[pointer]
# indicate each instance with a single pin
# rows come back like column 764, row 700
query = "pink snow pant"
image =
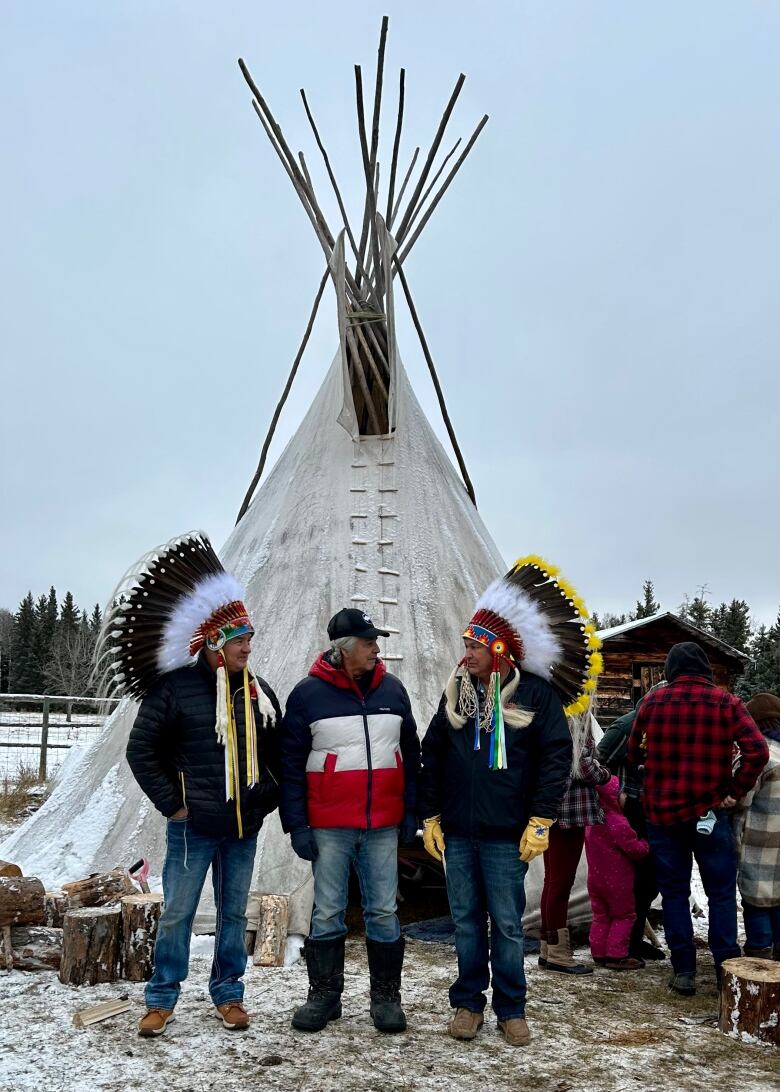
column 613, row 918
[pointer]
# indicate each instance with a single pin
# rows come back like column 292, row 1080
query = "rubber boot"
column 559, row 957
column 385, row 960
column 325, row 964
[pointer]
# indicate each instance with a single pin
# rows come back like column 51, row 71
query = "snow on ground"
column 603, row 1033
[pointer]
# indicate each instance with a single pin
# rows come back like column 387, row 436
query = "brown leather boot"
column 559, row 956
column 515, row 1031
column 465, row 1024
column 154, row 1022
column 233, row 1015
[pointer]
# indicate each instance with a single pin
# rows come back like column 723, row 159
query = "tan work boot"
column 465, row 1024
column 515, row 1031
column 233, row 1015
column 559, row 957
column 154, row 1022
column 543, row 954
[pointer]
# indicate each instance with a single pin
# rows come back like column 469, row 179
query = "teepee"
column 363, row 508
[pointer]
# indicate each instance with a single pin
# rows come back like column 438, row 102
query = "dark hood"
column 687, row 658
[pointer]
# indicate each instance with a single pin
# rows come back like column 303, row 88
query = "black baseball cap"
column 353, row 623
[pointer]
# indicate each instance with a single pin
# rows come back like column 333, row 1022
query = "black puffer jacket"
column 176, row 758
column 476, row 802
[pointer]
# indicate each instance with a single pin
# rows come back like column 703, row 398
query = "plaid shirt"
column 685, row 736
column 580, row 805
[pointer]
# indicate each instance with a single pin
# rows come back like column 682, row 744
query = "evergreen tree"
column 697, row 611
column 25, row 677
column 647, row 607
column 46, row 613
column 96, row 621
column 6, row 646
column 69, row 615
column 763, row 673
column 70, row 660
column 731, row 622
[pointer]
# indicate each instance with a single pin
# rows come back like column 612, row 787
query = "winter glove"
column 407, row 834
column 433, row 838
column 536, row 838
column 304, row 844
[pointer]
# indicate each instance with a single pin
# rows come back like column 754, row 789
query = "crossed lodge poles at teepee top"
column 365, row 288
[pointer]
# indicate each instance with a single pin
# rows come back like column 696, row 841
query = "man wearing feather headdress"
column 496, row 758
column 204, row 750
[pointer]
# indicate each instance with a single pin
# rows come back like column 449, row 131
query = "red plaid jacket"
column 685, row 736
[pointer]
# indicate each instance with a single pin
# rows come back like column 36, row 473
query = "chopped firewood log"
column 56, row 904
column 21, row 901
column 91, row 945
column 84, row 1017
column 99, row 889
column 36, row 948
column 9, row 869
column 271, row 939
column 750, row 999
column 140, row 917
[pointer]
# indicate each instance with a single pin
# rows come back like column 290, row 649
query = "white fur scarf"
column 514, row 716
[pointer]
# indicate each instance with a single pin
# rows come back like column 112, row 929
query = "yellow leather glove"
column 433, row 838
column 536, row 838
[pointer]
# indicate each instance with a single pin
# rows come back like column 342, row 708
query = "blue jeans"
column 674, row 848
column 487, row 878
column 187, row 861
column 374, row 854
column 762, row 926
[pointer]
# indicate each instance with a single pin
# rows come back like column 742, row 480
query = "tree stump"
column 99, row 889
column 9, row 869
column 750, row 999
column 21, row 901
column 91, row 945
column 56, row 905
column 271, row 939
column 36, row 948
column 140, row 917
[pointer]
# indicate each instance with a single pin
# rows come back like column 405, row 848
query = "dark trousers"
column 645, row 881
column 560, row 868
column 487, row 879
column 675, row 847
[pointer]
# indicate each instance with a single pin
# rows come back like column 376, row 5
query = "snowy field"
column 603, row 1033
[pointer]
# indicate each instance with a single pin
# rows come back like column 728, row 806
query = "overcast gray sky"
column 599, row 287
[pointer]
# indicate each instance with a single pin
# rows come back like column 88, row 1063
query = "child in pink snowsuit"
column 611, row 848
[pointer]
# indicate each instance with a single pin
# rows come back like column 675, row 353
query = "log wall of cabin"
column 631, row 667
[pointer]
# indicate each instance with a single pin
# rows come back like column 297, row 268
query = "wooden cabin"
column 635, row 653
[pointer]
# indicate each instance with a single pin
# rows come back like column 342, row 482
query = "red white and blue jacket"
column 350, row 754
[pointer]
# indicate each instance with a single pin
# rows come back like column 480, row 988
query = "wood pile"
column 96, row 929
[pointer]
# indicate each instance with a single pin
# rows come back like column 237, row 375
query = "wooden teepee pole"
column 396, row 145
column 408, row 246
column 402, row 191
column 437, row 385
column 431, row 154
column 280, row 405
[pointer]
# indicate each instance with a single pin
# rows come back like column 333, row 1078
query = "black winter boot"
column 385, row 960
column 759, row 953
column 325, row 964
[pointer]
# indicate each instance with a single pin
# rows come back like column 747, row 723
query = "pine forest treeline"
column 47, row 646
